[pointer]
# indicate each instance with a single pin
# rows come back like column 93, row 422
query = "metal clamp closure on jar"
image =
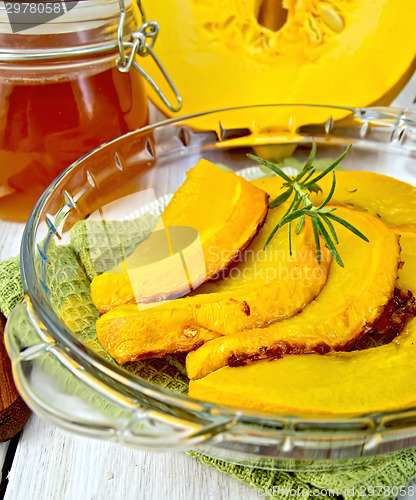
column 143, row 40
column 139, row 42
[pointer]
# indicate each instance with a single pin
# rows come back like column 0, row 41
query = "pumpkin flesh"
column 389, row 199
column 311, row 56
column 376, row 379
column 353, row 297
column 394, row 202
column 217, row 214
column 262, row 287
column 373, row 380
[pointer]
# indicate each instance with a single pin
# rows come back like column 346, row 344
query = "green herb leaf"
column 292, row 216
column 332, row 166
column 295, row 203
column 331, row 227
column 301, row 185
column 308, row 176
column 277, row 170
column 281, row 199
column 329, row 243
column 331, row 191
column 308, row 164
column 314, row 187
column 300, row 223
column 348, row 226
column 317, row 241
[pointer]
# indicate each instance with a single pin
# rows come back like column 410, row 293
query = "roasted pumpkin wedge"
column 356, row 382
column 263, row 286
column 223, row 210
column 394, row 202
column 407, row 274
column 117, row 333
column 376, row 379
column 353, row 297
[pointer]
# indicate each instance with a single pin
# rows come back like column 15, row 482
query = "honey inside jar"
column 47, row 125
column 54, row 110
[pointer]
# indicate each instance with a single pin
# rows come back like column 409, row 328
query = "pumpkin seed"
column 330, row 17
column 209, row 27
column 313, row 30
column 228, row 22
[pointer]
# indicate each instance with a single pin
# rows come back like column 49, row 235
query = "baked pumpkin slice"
column 262, row 286
column 394, row 204
column 376, row 379
column 353, row 297
column 211, row 218
column 407, row 274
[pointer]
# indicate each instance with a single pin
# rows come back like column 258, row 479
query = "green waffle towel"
column 97, row 246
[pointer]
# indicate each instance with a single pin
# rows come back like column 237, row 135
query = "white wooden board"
column 3, row 451
column 50, row 463
column 10, row 235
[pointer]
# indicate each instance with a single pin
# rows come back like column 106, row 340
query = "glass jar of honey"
column 65, row 88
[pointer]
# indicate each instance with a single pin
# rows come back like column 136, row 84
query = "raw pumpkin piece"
column 377, row 379
column 245, row 52
column 264, row 286
column 389, row 199
column 223, row 210
column 353, row 297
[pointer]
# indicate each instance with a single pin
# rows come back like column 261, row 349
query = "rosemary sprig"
column 300, row 186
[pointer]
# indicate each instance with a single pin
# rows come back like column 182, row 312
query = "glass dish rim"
column 45, row 313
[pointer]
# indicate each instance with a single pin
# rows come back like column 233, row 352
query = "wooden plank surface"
column 10, row 235
column 3, row 451
column 51, row 463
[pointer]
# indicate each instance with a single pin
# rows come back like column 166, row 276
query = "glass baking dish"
column 64, row 380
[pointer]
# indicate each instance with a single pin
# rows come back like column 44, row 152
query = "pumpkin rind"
column 373, row 380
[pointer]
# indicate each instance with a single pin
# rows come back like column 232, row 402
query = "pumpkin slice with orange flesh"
column 393, row 201
column 264, row 286
column 376, row 379
column 211, row 218
column 407, row 274
column 353, row 297
column 389, row 199
column 250, row 52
